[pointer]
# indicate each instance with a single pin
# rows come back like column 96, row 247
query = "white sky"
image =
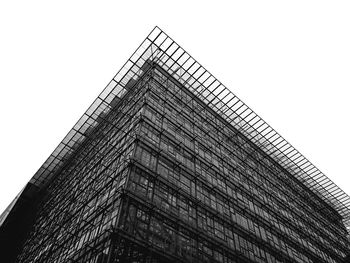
column 288, row 60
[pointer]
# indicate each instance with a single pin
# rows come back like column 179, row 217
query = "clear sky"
column 288, row 60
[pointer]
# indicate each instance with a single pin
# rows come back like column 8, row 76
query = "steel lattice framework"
column 160, row 48
column 168, row 165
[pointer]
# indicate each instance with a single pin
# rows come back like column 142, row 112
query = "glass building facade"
column 162, row 168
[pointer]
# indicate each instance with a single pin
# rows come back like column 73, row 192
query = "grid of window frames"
column 163, row 178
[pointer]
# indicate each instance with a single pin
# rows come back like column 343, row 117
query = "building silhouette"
column 167, row 165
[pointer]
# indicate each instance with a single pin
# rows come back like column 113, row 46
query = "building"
column 167, row 165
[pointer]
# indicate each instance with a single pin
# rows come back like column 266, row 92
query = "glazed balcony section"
column 198, row 158
column 82, row 203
